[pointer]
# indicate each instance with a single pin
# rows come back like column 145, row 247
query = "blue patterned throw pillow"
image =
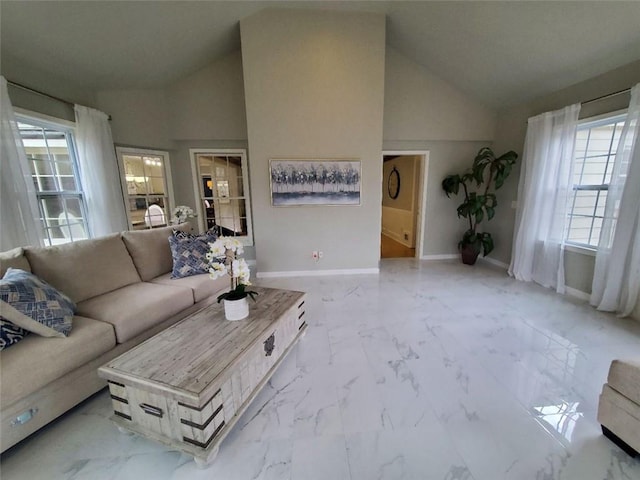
column 10, row 334
column 33, row 305
column 212, row 232
column 190, row 254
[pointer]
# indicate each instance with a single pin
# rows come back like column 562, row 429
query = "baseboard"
column 495, row 262
column 446, row 256
column 579, row 294
column 319, row 273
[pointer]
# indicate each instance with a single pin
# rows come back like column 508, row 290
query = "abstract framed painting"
column 319, row 182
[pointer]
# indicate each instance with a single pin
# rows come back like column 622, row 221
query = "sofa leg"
column 619, row 442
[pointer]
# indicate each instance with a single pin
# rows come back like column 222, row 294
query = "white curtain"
column 99, row 172
column 616, row 279
column 19, row 213
column 543, row 192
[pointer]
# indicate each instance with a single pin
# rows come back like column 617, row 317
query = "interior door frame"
column 423, row 171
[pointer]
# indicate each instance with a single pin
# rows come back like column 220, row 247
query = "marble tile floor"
column 430, row 370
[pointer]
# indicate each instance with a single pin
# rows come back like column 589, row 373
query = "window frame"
column 247, row 239
column 584, row 124
column 68, row 128
column 121, row 151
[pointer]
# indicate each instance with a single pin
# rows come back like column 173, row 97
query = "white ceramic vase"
column 236, row 309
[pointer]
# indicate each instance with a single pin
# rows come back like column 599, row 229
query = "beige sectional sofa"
column 124, row 294
column 619, row 406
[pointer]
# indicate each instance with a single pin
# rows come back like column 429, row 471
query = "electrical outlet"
column 320, row 254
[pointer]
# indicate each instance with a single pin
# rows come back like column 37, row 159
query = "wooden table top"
column 187, row 357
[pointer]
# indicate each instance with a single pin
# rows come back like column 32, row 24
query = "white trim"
column 591, row 252
column 579, row 294
column 44, row 118
column 444, row 256
column 590, row 122
column 495, row 262
column 405, row 152
column 319, row 273
column 423, row 171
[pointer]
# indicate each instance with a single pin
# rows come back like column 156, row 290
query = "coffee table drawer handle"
column 269, row 344
column 151, row 410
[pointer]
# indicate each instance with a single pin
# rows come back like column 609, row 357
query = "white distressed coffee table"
column 187, row 386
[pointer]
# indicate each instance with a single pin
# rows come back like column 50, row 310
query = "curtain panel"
column 19, row 213
column 616, row 279
column 99, row 173
column 544, row 189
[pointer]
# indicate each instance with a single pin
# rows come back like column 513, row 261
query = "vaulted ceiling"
column 500, row 53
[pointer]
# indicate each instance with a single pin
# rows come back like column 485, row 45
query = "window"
column 595, row 152
column 222, row 186
column 52, row 160
column 147, row 181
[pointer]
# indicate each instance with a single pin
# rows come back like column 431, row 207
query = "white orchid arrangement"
column 181, row 213
column 223, row 257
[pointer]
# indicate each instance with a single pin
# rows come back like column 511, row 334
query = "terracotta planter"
column 469, row 254
column 236, row 309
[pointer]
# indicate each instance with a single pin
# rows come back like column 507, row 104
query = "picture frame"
column 315, row 182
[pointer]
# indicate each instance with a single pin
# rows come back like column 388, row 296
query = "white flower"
column 235, row 268
column 217, row 270
column 217, row 249
column 228, row 248
column 243, row 272
column 181, row 213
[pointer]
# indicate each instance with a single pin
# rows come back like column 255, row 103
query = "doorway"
column 403, row 199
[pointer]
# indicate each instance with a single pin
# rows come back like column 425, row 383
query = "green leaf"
column 490, row 212
column 485, row 155
column 451, row 184
column 478, row 172
column 487, row 244
column 463, row 210
column 508, row 158
column 467, row 177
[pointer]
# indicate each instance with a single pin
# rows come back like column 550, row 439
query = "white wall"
column 210, row 103
column 314, row 85
column 420, row 106
column 138, row 117
column 13, row 69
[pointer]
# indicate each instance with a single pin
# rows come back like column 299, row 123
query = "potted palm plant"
column 487, row 172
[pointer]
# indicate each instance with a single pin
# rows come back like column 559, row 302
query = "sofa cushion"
column 201, row 285
column 190, row 254
column 37, row 361
column 14, row 258
column 86, row 268
column 10, row 334
column 624, row 376
column 150, row 251
column 135, row 308
column 32, row 304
